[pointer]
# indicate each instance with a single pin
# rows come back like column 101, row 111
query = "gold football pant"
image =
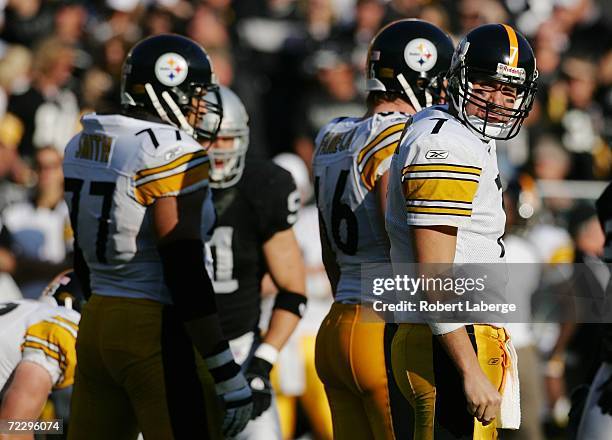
column 353, row 361
column 137, row 371
column 429, row 380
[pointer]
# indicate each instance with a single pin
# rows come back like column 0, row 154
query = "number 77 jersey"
column 351, row 155
column 113, row 170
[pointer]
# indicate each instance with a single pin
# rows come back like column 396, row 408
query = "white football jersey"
column 442, row 174
column 114, row 169
column 37, row 332
column 351, row 154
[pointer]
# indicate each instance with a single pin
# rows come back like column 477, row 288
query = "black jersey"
column 264, row 202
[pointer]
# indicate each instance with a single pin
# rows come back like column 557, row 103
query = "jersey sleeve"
column 374, row 158
column 440, row 178
column 50, row 343
column 279, row 205
column 170, row 170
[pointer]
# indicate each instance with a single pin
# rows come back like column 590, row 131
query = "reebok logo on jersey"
column 436, row 154
column 494, row 361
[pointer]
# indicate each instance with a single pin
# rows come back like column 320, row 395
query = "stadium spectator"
column 39, row 227
column 47, row 109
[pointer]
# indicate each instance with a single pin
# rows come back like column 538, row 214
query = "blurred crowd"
column 297, row 64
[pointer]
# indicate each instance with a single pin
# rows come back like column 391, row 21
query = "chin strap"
column 156, row 104
column 409, row 92
column 176, row 111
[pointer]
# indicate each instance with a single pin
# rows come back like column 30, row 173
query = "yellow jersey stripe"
column 514, row 49
column 378, row 139
column 368, row 175
column 170, row 166
column 48, row 351
column 443, row 168
column 171, row 185
column 67, row 322
column 454, row 190
column 439, row 211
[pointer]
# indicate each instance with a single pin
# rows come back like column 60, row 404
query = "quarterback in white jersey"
column 37, row 347
column 136, row 184
column 406, row 61
column 445, row 206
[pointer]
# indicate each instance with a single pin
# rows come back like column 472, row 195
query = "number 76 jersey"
column 113, row 170
column 351, row 155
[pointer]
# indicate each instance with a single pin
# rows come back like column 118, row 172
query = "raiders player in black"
column 256, row 204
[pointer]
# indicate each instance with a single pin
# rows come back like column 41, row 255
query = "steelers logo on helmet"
column 420, row 54
column 171, row 69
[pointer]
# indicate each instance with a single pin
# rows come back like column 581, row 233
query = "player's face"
column 198, row 105
column 222, row 143
column 495, row 93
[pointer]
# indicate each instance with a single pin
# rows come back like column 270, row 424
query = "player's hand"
column 258, row 377
column 605, row 400
column 483, row 400
column 238, row 404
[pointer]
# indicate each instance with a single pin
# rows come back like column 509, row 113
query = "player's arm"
column 435, row 245
column 329, row 258
column 177, row 225
column 286, row 268
column 26, row 395
column 381, row 192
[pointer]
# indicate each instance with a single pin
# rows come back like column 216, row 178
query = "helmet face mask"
column 472, row 77
column 228, row 152
column 169, row 77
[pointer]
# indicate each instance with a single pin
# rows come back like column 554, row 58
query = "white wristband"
column 267, row 352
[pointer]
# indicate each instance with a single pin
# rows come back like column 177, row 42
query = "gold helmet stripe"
column 514, row 49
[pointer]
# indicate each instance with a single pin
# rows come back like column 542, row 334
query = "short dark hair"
column 377, row 97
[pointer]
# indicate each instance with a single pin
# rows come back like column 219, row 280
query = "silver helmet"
column 227, row 164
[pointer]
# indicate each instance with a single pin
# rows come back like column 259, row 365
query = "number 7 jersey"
column 114, row 169
column 351, row 154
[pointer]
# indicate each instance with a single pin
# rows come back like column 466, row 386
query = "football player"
column 406, row 63
column 445, row 205
column 37, row 348
column 256, row 203
column 135, row 186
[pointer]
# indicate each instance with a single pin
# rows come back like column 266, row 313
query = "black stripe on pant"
column 402, row 414
column 452, row 418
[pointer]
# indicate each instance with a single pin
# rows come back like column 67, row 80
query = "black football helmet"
column 493, row 53
column 162, row 74
column 65, row 290
column 410, row 57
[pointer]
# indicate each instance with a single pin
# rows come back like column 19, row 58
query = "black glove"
column 258, row 378
column 605, row 400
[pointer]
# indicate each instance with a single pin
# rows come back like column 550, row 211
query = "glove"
column 258, row 377
column 605, row 400
column 233, row 389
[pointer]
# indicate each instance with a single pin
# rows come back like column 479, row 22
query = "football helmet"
column 410, row 57
column 493, row 53
column 65, row 290
column 228, row 163
column 161, row 76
